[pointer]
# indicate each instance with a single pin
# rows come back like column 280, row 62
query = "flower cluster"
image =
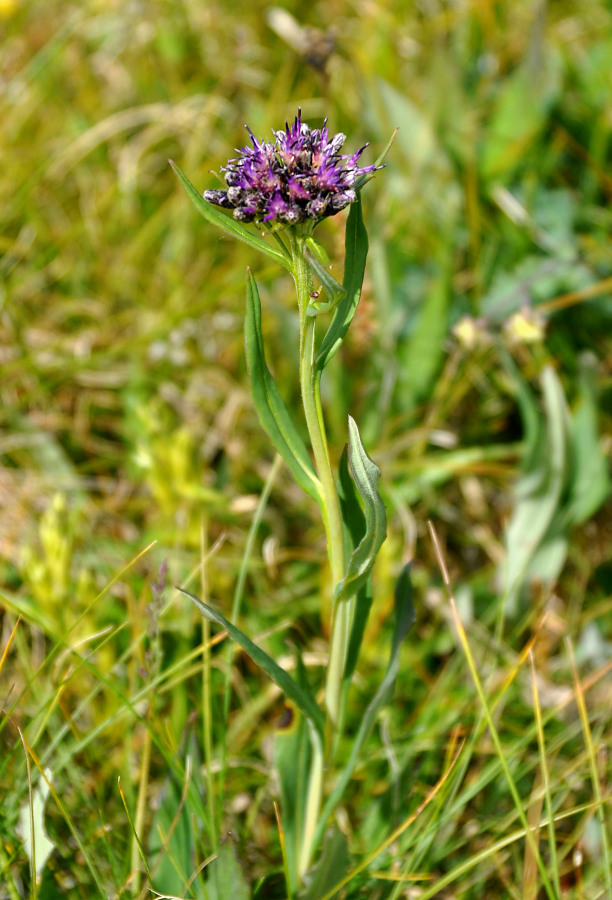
column 302, row 175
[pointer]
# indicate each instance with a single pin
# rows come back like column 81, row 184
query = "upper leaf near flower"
column 301, row 176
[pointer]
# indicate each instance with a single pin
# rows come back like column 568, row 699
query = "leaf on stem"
column 269, row 404
column 335, row 291
column 355, row 524
column 356, row 251
column 229, row 225
column 366, row 476
column 301, row 696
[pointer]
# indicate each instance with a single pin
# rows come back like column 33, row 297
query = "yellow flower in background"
column 7, row 8
column 526, row 327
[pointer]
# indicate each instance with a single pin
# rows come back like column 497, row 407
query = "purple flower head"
column 301, row 176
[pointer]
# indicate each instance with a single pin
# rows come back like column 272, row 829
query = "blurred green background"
column 478, row 366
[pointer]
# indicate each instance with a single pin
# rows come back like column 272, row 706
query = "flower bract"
column 299, row 176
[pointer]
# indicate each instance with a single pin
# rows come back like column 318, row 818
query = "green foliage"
column 225, row 879
column 356, row 251
column 366, row 476
column 270, row 406
column 126, row 418
column 228, row 224
column 301, row 696
column 333, row 864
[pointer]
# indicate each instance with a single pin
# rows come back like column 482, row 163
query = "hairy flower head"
column 300, row 176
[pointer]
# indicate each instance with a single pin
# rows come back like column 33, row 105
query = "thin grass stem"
column 588, row 740
column 552, row 838
column 207, row 739
column 489, row 717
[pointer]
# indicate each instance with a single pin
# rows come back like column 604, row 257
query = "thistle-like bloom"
column 301, row 176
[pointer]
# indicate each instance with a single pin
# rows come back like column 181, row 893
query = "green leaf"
column 302, row 697
column 225, row 878
column 432, row 182
column 352, row 513
column 356, row 251
column 363, row 605
column 522, row 110
column 172, row 843
column 317, row 250
column 330, row 868
column 366, row 476
column 534, row 536
column 423, row 353
column 229, row 225
column 292, row 759
column 355, row 524
column 37, row 844
column 335, row 291
column 590, row 477
column 294, row 752
column 404, row 617
column 269, row 404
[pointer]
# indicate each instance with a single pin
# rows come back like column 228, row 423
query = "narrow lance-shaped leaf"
column 270, row 406
column 297, row 746
column 302, row 697
column 229, row 225
column 356, row 251
column 355, row 524
column 331, row 866
column 404, row 617
column 366, row 476
column 292, row 761
column 335, row 292
column 225, row 877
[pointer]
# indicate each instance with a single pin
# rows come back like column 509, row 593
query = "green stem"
column 332, row 517
column 311, row 399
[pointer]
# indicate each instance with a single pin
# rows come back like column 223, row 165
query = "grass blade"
column 588, row 740
column 491, row 724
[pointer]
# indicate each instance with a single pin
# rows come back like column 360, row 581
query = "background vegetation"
column 479, row 368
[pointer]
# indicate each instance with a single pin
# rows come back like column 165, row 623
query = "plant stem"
column 334, row 530
column 311, row 399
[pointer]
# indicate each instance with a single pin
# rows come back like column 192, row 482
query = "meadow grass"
column 136, row 743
